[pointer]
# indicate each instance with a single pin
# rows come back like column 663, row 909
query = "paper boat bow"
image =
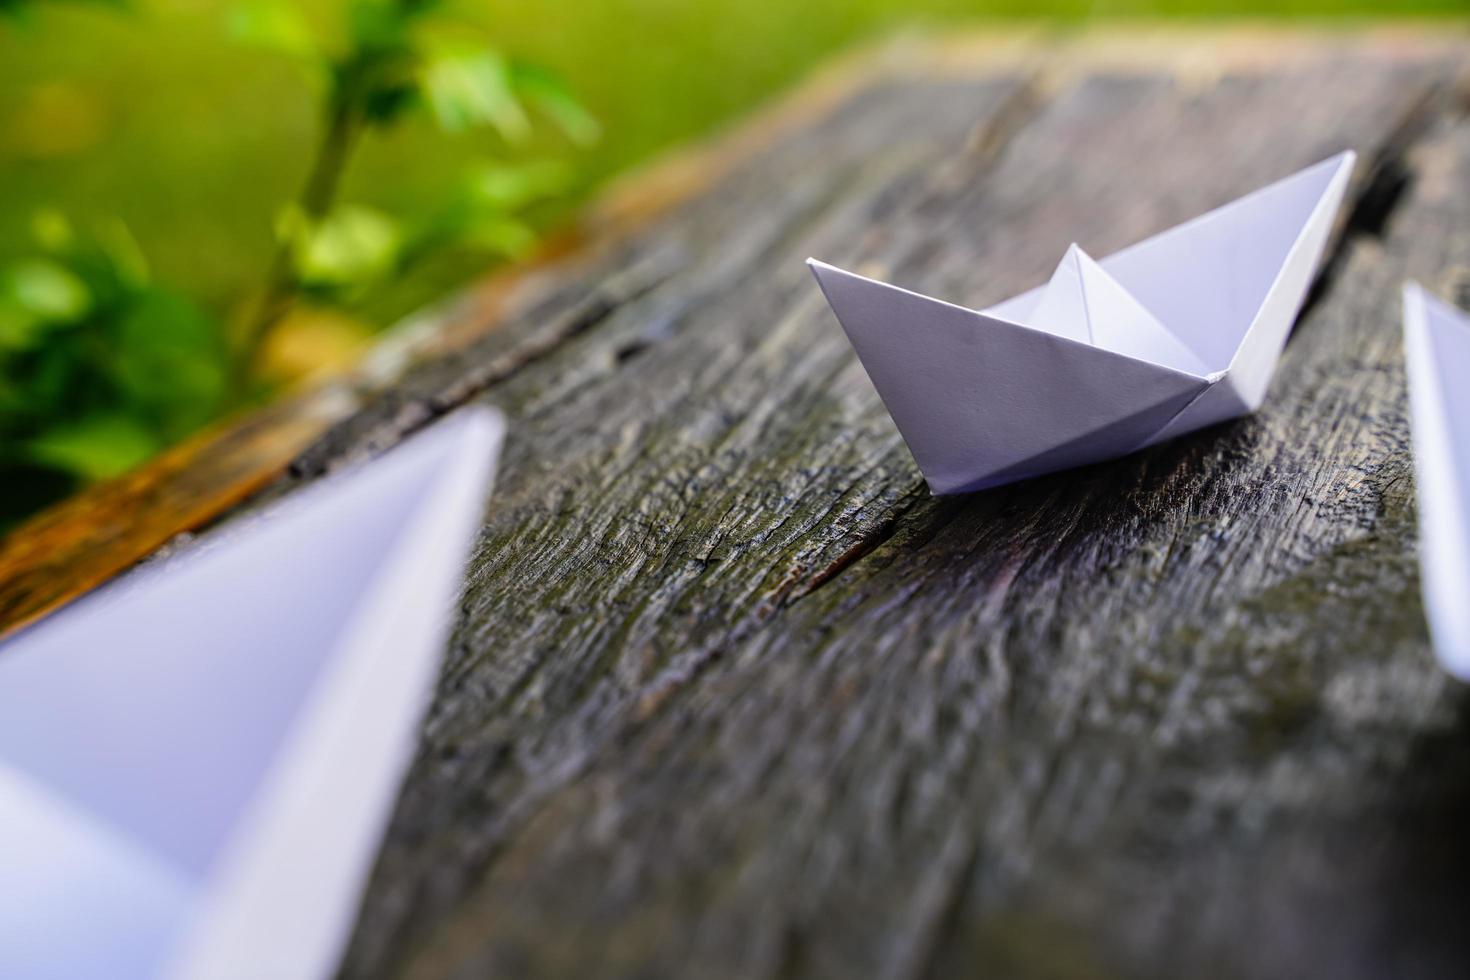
column 1177, row 332
column 197, row 763
column 1437, row 352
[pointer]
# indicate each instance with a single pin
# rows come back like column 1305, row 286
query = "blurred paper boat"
column 197, row 763
column 1437, row 352
column 1171, row 334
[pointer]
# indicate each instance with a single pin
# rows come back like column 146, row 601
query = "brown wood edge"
column 86, row 540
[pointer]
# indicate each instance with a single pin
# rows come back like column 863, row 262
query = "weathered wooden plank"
column 733, row 696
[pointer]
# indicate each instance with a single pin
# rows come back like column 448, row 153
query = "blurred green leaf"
column 551, row 95
column 351, row 245
column 510, row 186
column 276, row 25
column 377, row 75
column 98, row 368
column 94, row 448
column 47, row 290
column 119, row 249
column 280, row 26
column 52, row 370
column 481, row 213
column 500, row 234
column 379, row 25
column 467, row 87
column 386, row 101
column 170, row 362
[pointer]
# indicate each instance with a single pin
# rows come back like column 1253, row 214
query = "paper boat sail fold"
column 1179, row 331
column 1437, row 354
column 197, row 763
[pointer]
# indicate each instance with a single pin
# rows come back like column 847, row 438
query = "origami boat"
column 198, row 762
column 1177, row 332
column 1437, row 352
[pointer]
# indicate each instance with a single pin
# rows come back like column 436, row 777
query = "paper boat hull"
column 1437, row 355
column 984, row 398
column 197, row 763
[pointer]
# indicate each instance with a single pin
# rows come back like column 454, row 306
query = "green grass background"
column 194, row 140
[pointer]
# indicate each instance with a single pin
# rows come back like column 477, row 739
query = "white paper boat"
column 1177, row 332
column 198, row 762
column 1437, row 352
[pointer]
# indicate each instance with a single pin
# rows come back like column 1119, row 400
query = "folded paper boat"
column 1437, row 352
column 1177, row 332
column 197, row 763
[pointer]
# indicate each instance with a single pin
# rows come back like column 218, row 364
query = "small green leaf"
column 552, row 96
column 468, row 87
column 169, row 362
column 506, row 236
column 121, row 251
column 351, row 246
column 47, row 290
column 94, row 448
column 508, row 187
column 377, row 25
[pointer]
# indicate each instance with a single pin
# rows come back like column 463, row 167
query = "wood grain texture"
column 732, row 695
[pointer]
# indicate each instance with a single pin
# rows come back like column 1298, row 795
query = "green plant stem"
column 339, row 136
